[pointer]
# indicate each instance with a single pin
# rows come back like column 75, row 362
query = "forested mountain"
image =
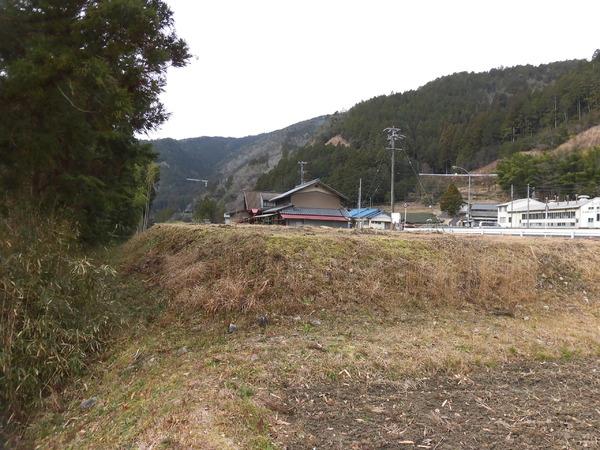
column 230, row 164
column 468, row 119
column 190, row 158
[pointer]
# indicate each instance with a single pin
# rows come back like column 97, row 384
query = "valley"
column 414, row 266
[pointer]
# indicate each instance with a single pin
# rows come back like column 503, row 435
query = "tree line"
column 551, row 175
column 79, row 80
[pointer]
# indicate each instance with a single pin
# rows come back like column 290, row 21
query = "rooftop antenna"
column 302, row 164
column 393, row 135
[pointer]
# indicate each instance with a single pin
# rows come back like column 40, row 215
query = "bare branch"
column 71, row 101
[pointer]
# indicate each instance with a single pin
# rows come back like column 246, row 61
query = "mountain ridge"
column 229, row 164
column 467, row 119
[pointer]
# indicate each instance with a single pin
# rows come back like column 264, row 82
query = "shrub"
column 451, row 201
column 57, row 306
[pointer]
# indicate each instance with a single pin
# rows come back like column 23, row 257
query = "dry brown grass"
column 238, row 269
column 391, row 309
column 226, row 391
column 585, row 140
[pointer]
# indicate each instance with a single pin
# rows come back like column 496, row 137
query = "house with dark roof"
column 311, row 203
column 251, row 204
column 480, row 212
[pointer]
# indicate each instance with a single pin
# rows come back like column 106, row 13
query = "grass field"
column 371, row 341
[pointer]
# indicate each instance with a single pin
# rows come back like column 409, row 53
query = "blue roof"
column 364, row 213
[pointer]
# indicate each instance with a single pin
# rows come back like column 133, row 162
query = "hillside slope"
column 545, row 183
column 467, row 119
column 368, row 341
column 243, row 170
column 230, row 164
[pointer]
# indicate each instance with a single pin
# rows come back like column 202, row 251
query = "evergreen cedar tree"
column 209, row 209
column 79, row 79
column 451, row 200
column 467, row 119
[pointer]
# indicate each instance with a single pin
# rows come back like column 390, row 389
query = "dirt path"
column 535, row 405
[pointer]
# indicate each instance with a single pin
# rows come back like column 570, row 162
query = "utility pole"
column 468, row 195
column 302, row 164
column 359, row 192
column 393, row 134
column 527, row 205
column 512, row 200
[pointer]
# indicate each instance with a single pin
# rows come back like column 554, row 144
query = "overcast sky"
column 261, row 65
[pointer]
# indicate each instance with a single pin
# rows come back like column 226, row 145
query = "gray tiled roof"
column 484, row 206
column 487, row 214
column 305, row 185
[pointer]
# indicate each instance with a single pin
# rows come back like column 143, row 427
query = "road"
column 571, row 233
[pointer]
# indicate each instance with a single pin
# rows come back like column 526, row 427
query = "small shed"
column 373, row 218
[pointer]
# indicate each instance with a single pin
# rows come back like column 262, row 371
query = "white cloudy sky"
column 260, row 65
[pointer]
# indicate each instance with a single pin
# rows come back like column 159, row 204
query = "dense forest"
column 552, row 174
column 468, row 119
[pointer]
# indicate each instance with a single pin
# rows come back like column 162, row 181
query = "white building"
column 370, row 218
column 522, row 213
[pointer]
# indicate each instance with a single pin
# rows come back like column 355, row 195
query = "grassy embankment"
column 344, row 309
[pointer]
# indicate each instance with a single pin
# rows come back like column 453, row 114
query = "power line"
column 417, row 176
column 376, row 176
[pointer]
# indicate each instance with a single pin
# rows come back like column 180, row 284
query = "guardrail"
column 571, row 233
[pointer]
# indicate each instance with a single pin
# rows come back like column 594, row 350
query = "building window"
column 590, row 220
